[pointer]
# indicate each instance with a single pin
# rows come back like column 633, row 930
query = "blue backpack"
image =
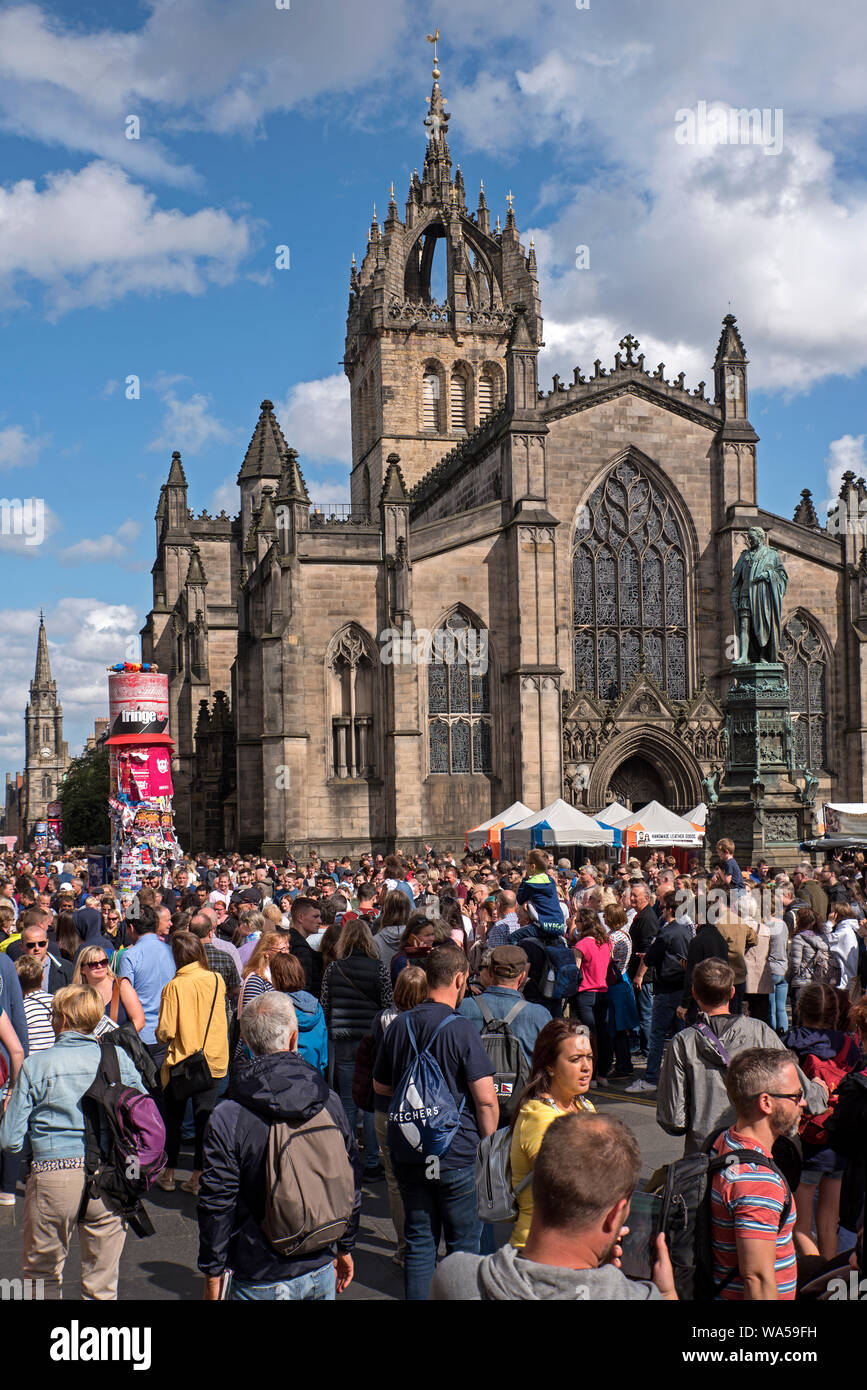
column 423, row 1117
column 562, row 977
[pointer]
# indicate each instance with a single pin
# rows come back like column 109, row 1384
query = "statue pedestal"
column 759, row 805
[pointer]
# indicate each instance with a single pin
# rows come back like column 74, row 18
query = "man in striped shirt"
column 752, row 1207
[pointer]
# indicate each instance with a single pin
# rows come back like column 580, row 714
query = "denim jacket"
column 45, row 1101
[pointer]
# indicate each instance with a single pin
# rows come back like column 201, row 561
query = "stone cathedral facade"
column 587, row 533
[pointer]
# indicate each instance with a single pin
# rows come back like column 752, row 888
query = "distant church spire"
column 43, row 665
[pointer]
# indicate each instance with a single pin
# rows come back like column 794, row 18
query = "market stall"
column 489, row 833
column 557, row 825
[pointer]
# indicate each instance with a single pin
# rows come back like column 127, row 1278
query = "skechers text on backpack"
column 423, row 1116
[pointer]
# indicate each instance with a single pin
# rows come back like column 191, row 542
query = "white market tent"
column 654, row 826
column 698, row 815
column 490, row 831
column 612, row 814
column 558, row 824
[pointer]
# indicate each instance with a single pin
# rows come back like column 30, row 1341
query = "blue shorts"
column 822, row 1163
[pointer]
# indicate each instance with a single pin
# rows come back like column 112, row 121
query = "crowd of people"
column 400, row 1021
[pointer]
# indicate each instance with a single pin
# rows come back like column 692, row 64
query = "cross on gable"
column 628, row 344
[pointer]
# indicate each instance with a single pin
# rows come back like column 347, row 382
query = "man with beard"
column 752, row 1207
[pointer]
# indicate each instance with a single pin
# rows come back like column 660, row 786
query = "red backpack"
column 832, row 1071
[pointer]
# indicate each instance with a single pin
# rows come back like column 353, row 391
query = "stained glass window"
column 803, row 654
column 629, row 588
column 459, row 699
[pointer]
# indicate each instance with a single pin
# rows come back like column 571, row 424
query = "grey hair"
column 268, row 1023
column 753, row 1071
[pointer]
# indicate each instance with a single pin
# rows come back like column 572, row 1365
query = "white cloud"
column 114, row 548
column 844, row 455
column 315, row 419
column 189, row 425
column 226, row 498
column 85, row 636
column 18, row 448
column 92, row 237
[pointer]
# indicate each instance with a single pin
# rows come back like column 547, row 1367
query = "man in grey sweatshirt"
column 583, row 1180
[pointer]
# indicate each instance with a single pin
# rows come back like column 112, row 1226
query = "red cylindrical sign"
column 138, row 708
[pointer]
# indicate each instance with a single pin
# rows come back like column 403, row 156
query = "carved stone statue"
column 811, row 784
column 758, row 585
column 710, row 787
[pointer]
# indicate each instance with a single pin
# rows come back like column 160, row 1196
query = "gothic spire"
column 805, row 512
column 292, row 486
column 196, row 573
column 43, row 665
column 267, row 448
column 177, row 477
column 438, row 160
column 731, row 346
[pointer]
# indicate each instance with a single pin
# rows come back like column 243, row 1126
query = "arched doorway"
column 646, row 764
column 636, row 782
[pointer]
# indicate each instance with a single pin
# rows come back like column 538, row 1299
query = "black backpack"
column 511, row 1068
column 124, row 1139
column 685, row 1217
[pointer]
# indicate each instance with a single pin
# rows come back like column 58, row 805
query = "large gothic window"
column 629, row 587
column 459, row 699
column 803, row 653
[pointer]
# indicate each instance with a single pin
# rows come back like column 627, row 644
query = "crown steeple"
column 43, row 665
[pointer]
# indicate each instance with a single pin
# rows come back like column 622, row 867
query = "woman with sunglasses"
column 122, row 1004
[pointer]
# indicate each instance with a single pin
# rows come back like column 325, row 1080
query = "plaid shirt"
column 222, row 964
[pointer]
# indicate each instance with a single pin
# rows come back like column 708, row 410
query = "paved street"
column 164, row 1266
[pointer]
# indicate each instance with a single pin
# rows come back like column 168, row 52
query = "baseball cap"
column 508, row 962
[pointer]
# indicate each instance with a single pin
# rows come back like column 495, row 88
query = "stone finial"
column 805, row 512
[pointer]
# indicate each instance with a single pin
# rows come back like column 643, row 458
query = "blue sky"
column 262, row 127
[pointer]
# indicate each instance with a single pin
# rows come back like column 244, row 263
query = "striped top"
column 37, row 1010
column 748, row 1201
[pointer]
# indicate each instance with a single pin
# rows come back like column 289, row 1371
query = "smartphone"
column 639, row 1247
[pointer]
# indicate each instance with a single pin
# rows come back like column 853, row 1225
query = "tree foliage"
column 84, row 796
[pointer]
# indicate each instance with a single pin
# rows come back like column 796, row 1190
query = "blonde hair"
column 85, row 956
column 79, row 1006
column 269, row 941
column 272, row 913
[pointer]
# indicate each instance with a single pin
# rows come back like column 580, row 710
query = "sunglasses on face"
column 96, row 965
column 794, row 1096
column 35, row 945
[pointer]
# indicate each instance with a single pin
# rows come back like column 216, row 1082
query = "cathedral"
column 46, row 753
column 556, row 563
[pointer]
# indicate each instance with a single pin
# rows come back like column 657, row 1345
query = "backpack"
column 511, row 1068
column 124, row 1142
column 309, row 1186
column 685, row 1218
column 563, row 976
column 831, row 1070
column 495, row 1196
column 821, row 968
column 423, row 1117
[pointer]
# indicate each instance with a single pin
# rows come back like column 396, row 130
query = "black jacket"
column 280, row 1087
column 707, row 944
column 354, row 991
column 666, row 952
column 311, row 961
column 60, row 972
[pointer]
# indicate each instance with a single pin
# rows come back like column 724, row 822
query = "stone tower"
column 425, row 373
column 47, row 756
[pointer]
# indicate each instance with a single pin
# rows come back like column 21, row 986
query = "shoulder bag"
column 193, row 1075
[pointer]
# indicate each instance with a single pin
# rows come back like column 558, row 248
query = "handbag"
column 193, row 1075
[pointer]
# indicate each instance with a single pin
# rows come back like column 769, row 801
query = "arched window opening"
column 803, row 654
column 458, row 402
column 431, row 401
column 352, row 692
column 629, row 587
column 459, row 699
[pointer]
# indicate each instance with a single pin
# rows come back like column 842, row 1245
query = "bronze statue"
column 758, row 585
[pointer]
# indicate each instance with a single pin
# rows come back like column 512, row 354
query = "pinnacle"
column 267, row 448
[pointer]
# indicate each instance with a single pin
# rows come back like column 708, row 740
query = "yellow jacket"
column 184, row 1009
column 535, row 1117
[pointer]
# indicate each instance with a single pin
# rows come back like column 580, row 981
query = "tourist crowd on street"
column 298, row 1033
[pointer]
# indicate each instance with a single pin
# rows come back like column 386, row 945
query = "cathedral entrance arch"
column 646, row 764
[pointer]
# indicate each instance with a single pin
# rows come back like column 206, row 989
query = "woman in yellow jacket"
column 192, row 1017
column 560, row 1075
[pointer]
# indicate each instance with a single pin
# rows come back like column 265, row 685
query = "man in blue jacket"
column 277, row 1086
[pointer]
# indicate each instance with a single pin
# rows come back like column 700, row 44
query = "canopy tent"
column 845, row 818
column 697, row 817
column 558, row 824
column 489, row 832
column 611, row 814
column 654, row 825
